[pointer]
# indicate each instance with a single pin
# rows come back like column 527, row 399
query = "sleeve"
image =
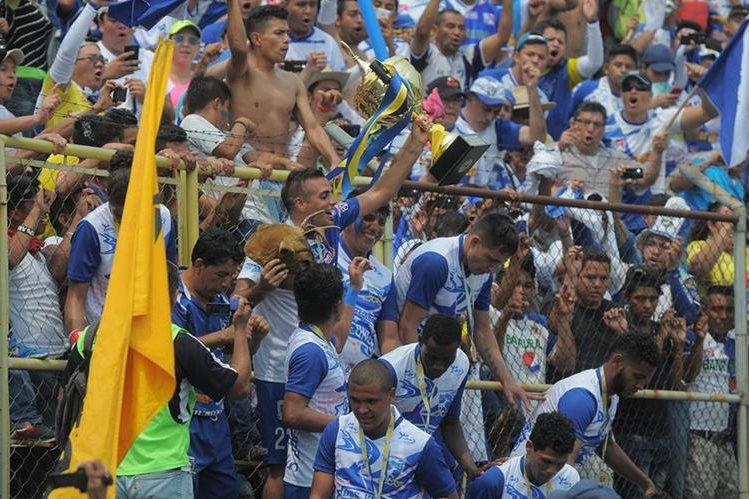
column 84, row 257
column 346, row 212
column 428, row 275
column 586, row 66
column 580, row 92
column 181, row 317
column 694, row 249
column 685, row 298
column 250, row 270
column 201, row 368
column 390, row 367
column 453, row 412
column 335, row 59
column 202, row 135
column 490, row 485
column 328, row 12
column 389, row 311
column 579, row 405
column 325, row 458
column 307, row 368
column 170, row 238
column 483, row 300
column 508, row 133
column 432, row 472
column 419, row 61
column 62, row 68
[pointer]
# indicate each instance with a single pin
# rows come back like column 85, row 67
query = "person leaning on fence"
column 710, row 367
column 203, row 308
column 93, row 245
column 642, row 425
column 543, row 467
column 439, row 369
column 157, row 464
column 385, row 439
column 590, row 400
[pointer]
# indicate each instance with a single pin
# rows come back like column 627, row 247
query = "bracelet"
column 351, row 296
column 25, row 229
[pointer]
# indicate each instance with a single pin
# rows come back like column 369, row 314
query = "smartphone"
column 294, row 66
column 134, row 49
column 383, row 14
column 352, row 130
column 696, row 38
column 119, row 94
column 633, row 173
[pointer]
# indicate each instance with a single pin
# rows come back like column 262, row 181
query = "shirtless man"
column 269, row 96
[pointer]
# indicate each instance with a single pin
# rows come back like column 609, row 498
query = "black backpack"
column 70, row 406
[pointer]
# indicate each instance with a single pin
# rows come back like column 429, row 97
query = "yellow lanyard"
column 421, row 383
column 318, row 332
column 385, row 455
column 605, row 403
column 469, row 302
column 528, row 483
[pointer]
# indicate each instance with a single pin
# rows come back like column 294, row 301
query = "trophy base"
column 455, row 161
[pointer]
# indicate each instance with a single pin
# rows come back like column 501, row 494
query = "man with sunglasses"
column 640, row 131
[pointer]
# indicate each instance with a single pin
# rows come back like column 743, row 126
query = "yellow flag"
column 131, row 375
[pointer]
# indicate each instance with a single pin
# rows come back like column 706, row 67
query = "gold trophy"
column 453, row 155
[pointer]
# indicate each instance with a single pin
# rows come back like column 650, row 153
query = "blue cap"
column 586, row 489
column 532, row 38
column 659, row 57
column 490, row 92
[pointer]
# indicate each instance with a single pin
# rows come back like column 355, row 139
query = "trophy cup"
column 453, row 155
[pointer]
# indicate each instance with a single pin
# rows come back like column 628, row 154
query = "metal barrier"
column 187, row 191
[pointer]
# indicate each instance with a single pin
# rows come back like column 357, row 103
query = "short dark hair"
column 496, row 231
column 341, row 3
column 451, row 224
column 719, row 290
column 121, row 160
column 63, row 205
column 21, row 188
column 95, row 131
column 202, row 91
column 117, row 183
column 551, row 22
column 316, row 290
column 172, row 275
column 383, row 210
column 554, row 431
column 636, row 348
column 371, row 371
column 215, row 246
column 593, row 254
column 170, row 132
column 442, row 328
column 686, row 23
column 442, row 13
column 642, row 276
column 260, row 15
column 622, row 49
column 294, row 186
column 658, row 200
column 590, row 107
column 124, row 118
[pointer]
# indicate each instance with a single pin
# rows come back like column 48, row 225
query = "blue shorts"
column 295, row 491
column 272, row 432
column 213, row 463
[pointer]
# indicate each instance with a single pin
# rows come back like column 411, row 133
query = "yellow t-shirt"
column 722, row 273
column 48, row 176
column 73, row 101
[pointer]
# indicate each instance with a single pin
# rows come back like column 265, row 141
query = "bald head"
column 371, row 371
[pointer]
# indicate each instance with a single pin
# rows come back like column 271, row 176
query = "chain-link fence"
column 580, row 278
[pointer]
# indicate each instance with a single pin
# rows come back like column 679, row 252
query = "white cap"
column 490, row 92
column 16, row 55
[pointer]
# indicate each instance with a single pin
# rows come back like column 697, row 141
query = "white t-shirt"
column 146, row 61
column 316, row 41
column 279, row 309
column 716, row 376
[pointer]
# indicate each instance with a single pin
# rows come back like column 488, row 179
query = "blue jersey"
column 508, row 480
column 415, row 464
column 189, row 314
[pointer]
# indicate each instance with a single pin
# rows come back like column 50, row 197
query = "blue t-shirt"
column 580, row 407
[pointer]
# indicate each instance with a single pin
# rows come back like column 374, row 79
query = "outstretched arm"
column 237, row 38
column 312, row 129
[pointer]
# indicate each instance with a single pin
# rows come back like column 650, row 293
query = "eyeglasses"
column 93, row 59
column 190, row 39
column 638, row 85
column 596, row 125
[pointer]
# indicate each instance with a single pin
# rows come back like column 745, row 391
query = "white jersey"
column 516, row 485
column 525, row 347
column 328, row 397
column 372, row 306
column 716, row 376
column 316, row 41
column 598, row 91
column 444, row 393
column 279, row 309
column 595, row 432
column 462, row 65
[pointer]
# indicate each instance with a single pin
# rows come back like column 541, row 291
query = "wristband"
column 351, row 296
column 25, row 229
column 241, row 123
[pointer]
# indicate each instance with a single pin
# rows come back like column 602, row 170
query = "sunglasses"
column 638, row 85
column 190, row 39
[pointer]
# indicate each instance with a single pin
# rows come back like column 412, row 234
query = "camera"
column 633, row 173
column 696, row 38
column 294, row 66
column 119, row 94
column 352, row 130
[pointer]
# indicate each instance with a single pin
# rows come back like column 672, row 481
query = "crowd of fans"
column 576, row 99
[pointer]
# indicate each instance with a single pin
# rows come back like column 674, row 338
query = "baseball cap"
column 447, row 86
column 532, row 38
column 490, row 92
column 328, row 74
column 585, row 489
column 183, row 24
column 659, row 57
column 638, row 77
column 738, row 11
column 665, row 226
column 16, row 55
